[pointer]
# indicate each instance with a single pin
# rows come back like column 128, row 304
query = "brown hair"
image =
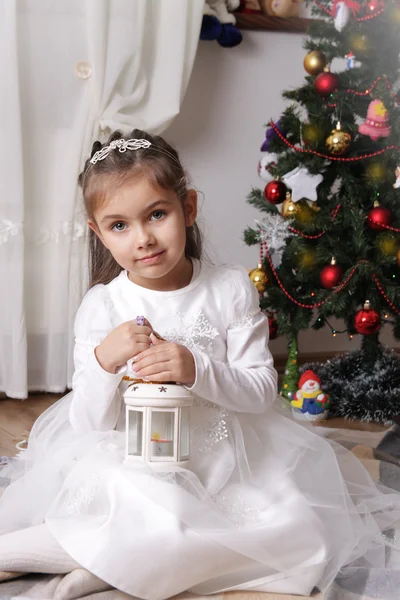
column 160, row 163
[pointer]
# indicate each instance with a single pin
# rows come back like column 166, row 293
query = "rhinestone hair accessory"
column 122, row 145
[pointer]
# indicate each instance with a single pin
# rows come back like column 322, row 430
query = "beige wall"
column 231, row 95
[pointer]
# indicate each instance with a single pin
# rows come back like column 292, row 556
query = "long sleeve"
column 247, row 382
column 96, row 402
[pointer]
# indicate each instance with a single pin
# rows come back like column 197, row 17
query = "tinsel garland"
column 360, row 393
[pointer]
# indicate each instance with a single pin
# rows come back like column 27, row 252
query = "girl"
column 266, row 504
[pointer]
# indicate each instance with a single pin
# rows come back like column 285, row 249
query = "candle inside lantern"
column 160, row 446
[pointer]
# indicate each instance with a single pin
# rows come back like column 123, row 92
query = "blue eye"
column 118, row 226
column 156, row 215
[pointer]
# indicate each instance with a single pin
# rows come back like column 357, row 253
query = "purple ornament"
column 270, row 135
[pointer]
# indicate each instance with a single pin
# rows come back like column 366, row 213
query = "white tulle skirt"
column 266, row 505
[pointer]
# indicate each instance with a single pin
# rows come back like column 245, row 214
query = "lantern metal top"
column 167, row 395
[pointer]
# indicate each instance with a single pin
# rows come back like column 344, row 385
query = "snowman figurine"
column 311, row 403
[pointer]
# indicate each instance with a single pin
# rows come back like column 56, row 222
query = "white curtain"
column 70, row 71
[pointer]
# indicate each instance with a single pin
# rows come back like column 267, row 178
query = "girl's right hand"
column 122, row 344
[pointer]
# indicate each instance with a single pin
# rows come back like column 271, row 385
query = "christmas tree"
column 329, row 232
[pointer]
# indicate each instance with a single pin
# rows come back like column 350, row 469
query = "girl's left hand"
column 165, row 361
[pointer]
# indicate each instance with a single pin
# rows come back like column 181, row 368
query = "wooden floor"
column 18, row 416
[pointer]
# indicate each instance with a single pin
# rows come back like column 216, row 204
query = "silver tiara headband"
column 122, row 145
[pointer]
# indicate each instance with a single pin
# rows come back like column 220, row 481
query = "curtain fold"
column 72, row 71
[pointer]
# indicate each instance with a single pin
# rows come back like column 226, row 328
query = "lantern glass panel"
column 185, row 433
column 135, row 433
column 162, row 433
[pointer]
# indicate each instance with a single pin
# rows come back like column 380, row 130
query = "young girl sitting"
column 265, row 504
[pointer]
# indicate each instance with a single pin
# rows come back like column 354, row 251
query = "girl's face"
column 144, row 228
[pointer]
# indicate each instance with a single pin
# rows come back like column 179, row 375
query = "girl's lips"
column 152, row 258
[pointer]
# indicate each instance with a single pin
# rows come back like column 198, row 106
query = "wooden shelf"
column 264, row 22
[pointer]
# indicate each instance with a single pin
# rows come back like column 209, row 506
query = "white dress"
column 266, row 505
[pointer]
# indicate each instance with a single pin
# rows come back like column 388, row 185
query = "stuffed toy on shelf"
column 219, row 23
column 281, row 8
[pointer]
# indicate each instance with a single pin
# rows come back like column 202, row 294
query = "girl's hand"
column 165, row 361
column 123, row 343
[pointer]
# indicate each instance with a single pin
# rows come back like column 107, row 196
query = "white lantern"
column 157, row 424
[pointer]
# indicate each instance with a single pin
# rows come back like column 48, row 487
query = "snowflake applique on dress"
column 193, row 331
column 197, row 333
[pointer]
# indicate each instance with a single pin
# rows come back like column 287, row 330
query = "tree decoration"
column 314, row 62
column 326, row 83
column 376, row 171
column 378, row 216
column 274, row 231
column 331, row 275
column 376, row 125
column 273, row 327
column 338, row 141
column 341, row 14
column 311, row 134
column 350, row 60
column 270, row 135
column 396, row 184
column 291, row 375
column 388, row 244
column 306, row 259
column 259, row 277
column 398, row 258
column 305, row 212
column 367, row 321
column 264, row 166
column 289, row 208
column 302, row 183
column 275, row 192
column 360, row 45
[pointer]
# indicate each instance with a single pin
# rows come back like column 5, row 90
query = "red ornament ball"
column 331, row 276
column 275, row 192
column 367, row 321
column 326, row 83
column 378, row 216
column 273, row 327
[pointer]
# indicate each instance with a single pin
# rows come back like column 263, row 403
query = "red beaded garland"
column 264, row 248
column 328, row 156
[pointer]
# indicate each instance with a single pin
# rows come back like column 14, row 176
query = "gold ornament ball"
column 311, row 134
column 314, row 62
column 289, row 208
column 360, row 44
column 307, row 259
column 305, row 213
column 394, row 14
column 259, row 277
column 339, row 141
column 376, row 171
column 388, row 244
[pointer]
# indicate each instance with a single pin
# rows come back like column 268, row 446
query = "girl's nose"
column 144, row 237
